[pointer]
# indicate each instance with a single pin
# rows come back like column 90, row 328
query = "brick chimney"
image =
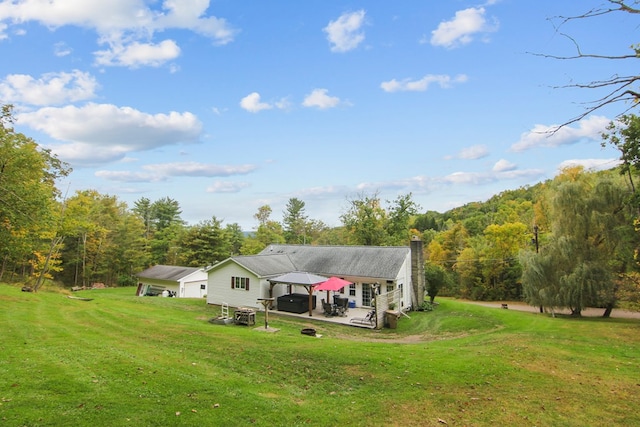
column 417, row 272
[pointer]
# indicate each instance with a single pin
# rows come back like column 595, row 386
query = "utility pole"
column 535, row 240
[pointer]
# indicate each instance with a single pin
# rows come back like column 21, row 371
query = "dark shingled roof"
column 265, row 265
column 382, row 262
column 167, row 272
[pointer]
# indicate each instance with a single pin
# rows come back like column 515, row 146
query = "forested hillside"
column 568, row 242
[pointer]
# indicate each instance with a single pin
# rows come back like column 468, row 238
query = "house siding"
column 219, row 287
column 404, row 280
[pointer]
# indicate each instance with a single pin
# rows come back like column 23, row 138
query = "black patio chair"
column 328, row 308
column 342, row 306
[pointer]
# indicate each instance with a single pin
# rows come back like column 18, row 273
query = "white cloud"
column 474, row 152
column 480, row 178
column 190, row 15
column 97, row 133
column 416, row 183
column 591, row 164
column 49, row 89
column 127, row 26
column 320, row 192
column 128, row 176
column 198, row 169
column 61, row 49
column 252, row 103
column 502, row 171
column 227, row 187
column 503, row 165
column 443, row 80
column 461, row 29
column 590, row 128
column 468, row 178
column 137, row 54
column 164, row 171
column 283, row 104
column 318, row 98
column 344, row 34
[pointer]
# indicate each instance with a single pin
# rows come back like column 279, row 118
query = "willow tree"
column 575, row 268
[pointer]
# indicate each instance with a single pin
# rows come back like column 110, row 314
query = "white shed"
column 182, row 282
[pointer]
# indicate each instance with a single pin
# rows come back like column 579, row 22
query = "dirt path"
column 589, row 312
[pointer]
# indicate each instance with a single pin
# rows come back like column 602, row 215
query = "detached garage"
column 171, row 280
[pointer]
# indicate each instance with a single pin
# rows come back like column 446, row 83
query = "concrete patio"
column 318, row 314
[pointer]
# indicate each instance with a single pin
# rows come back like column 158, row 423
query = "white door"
column 367, row 293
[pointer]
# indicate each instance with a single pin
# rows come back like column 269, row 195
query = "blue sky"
column 229, row 105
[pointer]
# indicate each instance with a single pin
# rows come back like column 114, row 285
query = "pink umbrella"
column 333, row 284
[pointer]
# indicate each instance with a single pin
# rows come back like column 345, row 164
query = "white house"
column 182, row 282
column 242, row 280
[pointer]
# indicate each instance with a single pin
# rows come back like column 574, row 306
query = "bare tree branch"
column 621, row 89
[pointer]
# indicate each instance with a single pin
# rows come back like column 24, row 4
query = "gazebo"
column 308, row 280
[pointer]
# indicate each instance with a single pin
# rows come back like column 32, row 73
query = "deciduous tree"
column 28, row 195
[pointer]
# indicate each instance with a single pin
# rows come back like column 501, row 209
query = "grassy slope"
column 123, row 360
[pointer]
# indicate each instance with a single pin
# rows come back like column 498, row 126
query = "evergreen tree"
column 295, row 222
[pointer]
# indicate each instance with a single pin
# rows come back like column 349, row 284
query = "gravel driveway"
column 589, row 312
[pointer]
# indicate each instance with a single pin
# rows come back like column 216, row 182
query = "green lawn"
column 123, row 360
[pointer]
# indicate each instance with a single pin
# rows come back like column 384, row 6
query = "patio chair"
column 328, row 308
column 342, row 305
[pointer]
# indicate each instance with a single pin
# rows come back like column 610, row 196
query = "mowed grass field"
column 122, row 360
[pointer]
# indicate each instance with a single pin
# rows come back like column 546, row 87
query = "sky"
column 229, row 105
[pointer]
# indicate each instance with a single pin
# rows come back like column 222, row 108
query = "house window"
column 352, row 290
column 390, row 287
column 240, row 283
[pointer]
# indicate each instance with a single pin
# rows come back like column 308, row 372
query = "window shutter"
column 247, row 287
column 233, row 282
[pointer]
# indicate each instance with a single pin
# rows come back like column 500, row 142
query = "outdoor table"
column 244, row 316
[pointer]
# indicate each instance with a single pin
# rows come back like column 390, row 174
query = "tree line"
column 570, row 242
column 89, row 237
